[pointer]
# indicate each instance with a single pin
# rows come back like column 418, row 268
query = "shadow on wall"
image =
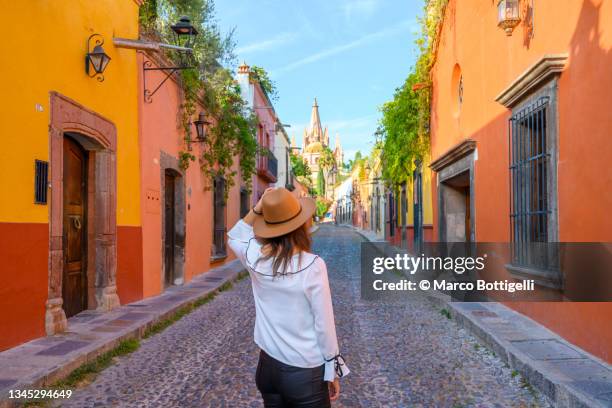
column 585, row 146
column 585, row 95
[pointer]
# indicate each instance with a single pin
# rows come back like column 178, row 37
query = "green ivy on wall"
column 210, row 84
column 403, row 132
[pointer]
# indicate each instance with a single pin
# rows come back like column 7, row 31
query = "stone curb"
column 557, row 389
column 558, row 385
column 47, row 374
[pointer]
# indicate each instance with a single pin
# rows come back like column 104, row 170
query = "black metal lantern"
column 200, row 126
column 185, row 32
column 184, row 35
column 96, row 59
column 508, row 15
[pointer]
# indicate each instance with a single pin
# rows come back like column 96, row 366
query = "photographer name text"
column 502, row 285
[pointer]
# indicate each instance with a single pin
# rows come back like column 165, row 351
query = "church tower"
column 316, row 144
column 315, row 132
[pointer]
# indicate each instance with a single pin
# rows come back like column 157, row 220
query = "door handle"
column 76, row 222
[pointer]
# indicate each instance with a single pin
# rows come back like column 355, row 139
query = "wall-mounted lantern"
column 184, row 32
column 508, row 15
column 200, row 125
column 96, row 59
column 184, row 35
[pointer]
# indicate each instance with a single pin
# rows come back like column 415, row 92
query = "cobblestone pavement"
column 401, row 354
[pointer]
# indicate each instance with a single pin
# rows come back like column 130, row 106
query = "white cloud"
column 341, row 125
column 281, row 39
column 366, row 39
column 359, row 7
column 352, row 124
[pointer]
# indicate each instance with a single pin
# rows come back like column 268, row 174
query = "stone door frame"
column 171, row 163
column 98, row 136
column 459, row 159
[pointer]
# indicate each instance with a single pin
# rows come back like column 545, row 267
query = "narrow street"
column 401, row 354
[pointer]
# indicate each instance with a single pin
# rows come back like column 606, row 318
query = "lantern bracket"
column 169, row 71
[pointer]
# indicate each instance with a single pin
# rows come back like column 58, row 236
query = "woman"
column 294, row 323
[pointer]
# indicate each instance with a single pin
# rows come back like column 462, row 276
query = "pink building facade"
column 258, row 101
column 184, row 218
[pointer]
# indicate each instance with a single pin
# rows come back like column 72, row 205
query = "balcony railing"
column 267, row 166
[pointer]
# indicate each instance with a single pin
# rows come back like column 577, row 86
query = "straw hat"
column 281, row 213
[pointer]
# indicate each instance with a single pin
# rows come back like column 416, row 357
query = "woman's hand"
column 250, row 217
column 257, row 207
column 334, row 389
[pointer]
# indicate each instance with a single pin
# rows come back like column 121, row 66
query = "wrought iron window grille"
column 41, row 181
column 530, row 207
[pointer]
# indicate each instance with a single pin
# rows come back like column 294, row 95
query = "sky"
column 349, row 54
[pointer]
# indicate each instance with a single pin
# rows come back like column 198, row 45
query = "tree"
column 327, row 160
column 354, row 161
column 404, row 128
column 299, row 166
column 320, row 183
column 399, row 128
column 210, row 83
column 261, row 75
column 323, row 205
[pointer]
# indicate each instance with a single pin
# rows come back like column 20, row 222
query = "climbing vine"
column 184, row 159
column 403, row 132
column 260, row 75
column 209, row 84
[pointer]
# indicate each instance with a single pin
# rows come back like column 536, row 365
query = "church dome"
column 315, row 147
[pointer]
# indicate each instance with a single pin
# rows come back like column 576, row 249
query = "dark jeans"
column 285, row 386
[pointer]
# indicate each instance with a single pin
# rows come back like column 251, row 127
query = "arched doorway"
column 173, row 220
column 169, row 226
column 173, row 228
column 82, row 218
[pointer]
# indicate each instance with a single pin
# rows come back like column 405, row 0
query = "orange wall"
column 161, row 130
column 489, row 62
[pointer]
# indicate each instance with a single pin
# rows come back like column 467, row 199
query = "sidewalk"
column 566, row 374
column 368, row 235
column 43, row 361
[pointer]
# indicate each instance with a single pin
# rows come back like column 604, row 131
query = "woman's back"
column 294, row 323
column 294, row 320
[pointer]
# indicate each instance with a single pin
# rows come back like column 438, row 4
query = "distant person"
column 299, row 362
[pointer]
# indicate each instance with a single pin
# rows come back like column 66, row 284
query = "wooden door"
column 219, row 218
column 468, row 216
column 169, row 228
column 417, row 210
column 74, row 281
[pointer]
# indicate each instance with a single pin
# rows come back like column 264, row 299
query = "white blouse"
column 294, row 318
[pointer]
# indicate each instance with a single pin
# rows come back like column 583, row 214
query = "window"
column 218, row 248
column 41, row 181
column 532, row 222
column 456, row 89
column 244, row 202
column 391, row 215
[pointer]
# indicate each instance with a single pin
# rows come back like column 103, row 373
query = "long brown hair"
column 283, row 248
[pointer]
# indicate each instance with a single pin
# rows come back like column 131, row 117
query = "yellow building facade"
column 69, row 164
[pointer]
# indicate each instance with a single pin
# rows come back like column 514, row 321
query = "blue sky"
column 350, row 54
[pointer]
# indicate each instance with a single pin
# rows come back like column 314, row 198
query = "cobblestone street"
column 401, row 354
